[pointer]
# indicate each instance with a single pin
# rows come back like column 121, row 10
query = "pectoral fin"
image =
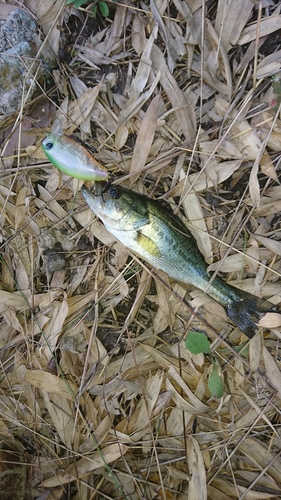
column 148, row 245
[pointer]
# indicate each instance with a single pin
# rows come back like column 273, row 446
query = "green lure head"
column 73, row 158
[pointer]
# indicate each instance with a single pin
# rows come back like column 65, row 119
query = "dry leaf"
column 87, row 465
column 51, row 383
column 272, row 370
column 138, row 34
column 273, row 245
column 267, row 26
column 182, row 107
column 80, row 110
column 145, row 138
column 270, row 320
column 254, row 187
column 194, row 213
column 231, row 18
column 197, row 488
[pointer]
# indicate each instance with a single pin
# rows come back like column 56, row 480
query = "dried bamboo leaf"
column 157, row 16
column 142, row 75
column 53, row 205
column 267, row 26
column 273, row 245
column 138, row 34
column 213, row 62
column 231, row 18
column 130, row 110
column 232, row 263
column 145, row 138
column 49, row 14
column 163, row 316
column 200, row 182
column 194, row 213
column 272, row 370
column 270, row 320
column 95, row 56
column 197, row 488
column 144, row 285
column 180, row 402
column 62, row 418
column 258, row 410
column 87, row 465
column 103, row 118
column 182, row 107
column 201, row 407
column 21, row 273
column 270, row 65
column 80, row 110
column 121, row 137
column 99, row 435
column 255, row 353
column 53, row 329
column 259, row 455
column 267, row 167
column 147, row 403
column 254, row 187
column 16, row 300
column 51, row 383
column 175, row 423
column 116, row 28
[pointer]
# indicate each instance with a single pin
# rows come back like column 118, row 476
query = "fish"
column 73, row 157
column 159, row 237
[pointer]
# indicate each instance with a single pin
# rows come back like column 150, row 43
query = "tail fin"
column 247, row 312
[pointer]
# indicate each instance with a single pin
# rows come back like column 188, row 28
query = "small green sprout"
column 197, row 342
column 103, row 7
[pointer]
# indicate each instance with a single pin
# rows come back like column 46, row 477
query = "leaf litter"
column 96, row 378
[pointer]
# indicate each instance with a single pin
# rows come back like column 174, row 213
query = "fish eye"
column 113, row 193
column 49, row 145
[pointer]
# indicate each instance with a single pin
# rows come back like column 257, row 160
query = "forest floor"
column 100, row 396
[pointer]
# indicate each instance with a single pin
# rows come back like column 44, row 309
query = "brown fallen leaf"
column 270, row 320
column 145, row 138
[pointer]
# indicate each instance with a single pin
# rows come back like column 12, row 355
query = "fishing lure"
column 72, row 156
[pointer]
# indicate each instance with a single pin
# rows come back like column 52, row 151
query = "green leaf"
column 197, row 342
column 79, row 3
column 94, row 11
column 69, row 2
column 215, row 384
column 104, row 8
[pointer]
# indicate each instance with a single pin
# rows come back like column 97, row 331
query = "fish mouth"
column 99, row 188
column 86, row 193
column 96, row 193
column 96, row 190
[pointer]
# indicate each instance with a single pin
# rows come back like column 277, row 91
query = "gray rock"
column 19, row 68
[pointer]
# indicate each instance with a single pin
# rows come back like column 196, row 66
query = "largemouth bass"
column 73, row 158
column 160, row 238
